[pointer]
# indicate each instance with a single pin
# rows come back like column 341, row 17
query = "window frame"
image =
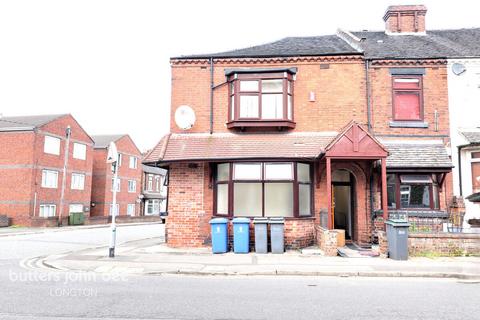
column 135, row 161
column 134, row 184
column 44, row 178
column 129, row 206
column 234, row 95
column 77, row 174
column 47, row 150
column 294, row 180
column 77, row 145
column 431, row 187
column 49, row 205
column 474, row 161
column 398, row 91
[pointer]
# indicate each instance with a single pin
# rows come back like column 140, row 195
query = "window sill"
column 408, row 124
column 261, row 124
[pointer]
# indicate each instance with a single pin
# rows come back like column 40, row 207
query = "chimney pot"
column 403, row 19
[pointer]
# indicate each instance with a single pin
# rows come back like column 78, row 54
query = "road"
column 43, row 294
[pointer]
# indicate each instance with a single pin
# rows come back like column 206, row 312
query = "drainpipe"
column 211, row 95
column 460, row 168
column 367, row 84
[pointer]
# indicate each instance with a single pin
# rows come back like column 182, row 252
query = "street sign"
column 112, row 153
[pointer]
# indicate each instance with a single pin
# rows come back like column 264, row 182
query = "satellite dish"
column 458, row 68
column 184, row 117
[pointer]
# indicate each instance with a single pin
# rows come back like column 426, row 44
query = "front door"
column 342, row 202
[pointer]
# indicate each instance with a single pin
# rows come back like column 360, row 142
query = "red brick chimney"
column 405, row 19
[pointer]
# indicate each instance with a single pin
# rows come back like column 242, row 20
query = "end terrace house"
column 335, row 130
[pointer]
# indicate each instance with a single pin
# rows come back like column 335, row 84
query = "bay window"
column 263, row 189
column 475, row 156
column 412, row 191
column 261, row 99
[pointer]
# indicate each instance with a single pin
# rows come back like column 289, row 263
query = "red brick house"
column 129, row 177
column 154, row 191
column 32, row 158
column 335, row 130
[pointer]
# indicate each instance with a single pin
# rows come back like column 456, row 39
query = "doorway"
column 343, row 201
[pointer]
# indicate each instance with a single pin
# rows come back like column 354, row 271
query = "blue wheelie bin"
column 241, row 235
column 219, row 235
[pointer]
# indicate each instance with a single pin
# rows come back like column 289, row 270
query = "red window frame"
column 399, row 89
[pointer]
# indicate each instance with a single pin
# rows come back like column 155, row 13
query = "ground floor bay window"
column 412, row 191
column 263, row 189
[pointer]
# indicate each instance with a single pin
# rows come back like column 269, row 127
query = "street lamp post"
column 113, row 159
column 68, row 132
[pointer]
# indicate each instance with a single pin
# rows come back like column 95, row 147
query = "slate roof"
column 417, row 154
column 458, row 43
column 21, row 123
column 102, row 141
column 288, row 47
column 154, row 170
column 472, row 137
column 225, row 146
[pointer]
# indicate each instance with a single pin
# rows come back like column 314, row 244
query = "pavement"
column 153, row 257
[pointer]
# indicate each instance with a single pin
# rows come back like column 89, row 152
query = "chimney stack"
column 405, row 19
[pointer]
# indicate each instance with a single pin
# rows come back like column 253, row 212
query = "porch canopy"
column 355, row 143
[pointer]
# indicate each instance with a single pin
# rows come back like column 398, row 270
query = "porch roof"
column 417, row 154
column 230, row 146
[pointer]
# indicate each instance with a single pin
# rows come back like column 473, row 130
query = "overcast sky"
column 107, row 62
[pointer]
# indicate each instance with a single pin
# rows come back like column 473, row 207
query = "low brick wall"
column 382, row 243
column 446, row 244
column 121, row 219
column 327, row 241
column 299, row 233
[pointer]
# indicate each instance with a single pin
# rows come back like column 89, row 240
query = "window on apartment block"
column 261, row 99
column 131, row 209
column 51, row 145
column 49, row 179
column 78, row 181
column 75, row 208
column 475, row 171
column 79, row 151
column 47, row 210
column 407, row 98
column 268, row 189
column 132, row 186
column 412, row 191
column 116, row 184
column 133, row 162
column 117, row 209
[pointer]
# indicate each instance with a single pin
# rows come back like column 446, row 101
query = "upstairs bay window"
column 270, row 189
column 261, row 100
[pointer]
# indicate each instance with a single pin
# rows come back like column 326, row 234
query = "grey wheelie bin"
column 261, row 227
column 277, row 234
column 397, row 236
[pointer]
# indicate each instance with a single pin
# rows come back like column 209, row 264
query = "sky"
column 107, row 62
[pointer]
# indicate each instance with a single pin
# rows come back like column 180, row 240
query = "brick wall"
column 327, row 241
column 446, row 244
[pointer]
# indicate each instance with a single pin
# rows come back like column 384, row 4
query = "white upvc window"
column 157, row 183
column 75, row 208
column 133, row 162
column 78, row 181
column 152, row 207
column 132, row 186
column 51, row 145
column 79, row 151
column 150, row 182
column 131, row 209
column 117, row 209
column 49, row 179
column 117, row 184
column 47, row 210
column 119, row 161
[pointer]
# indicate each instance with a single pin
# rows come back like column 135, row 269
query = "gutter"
column 211, row 95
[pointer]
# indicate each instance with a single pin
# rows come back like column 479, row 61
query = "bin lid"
column 218, row 220
column 276, row 220
column 398, row 223
column 241, row 220
column 260, row 220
